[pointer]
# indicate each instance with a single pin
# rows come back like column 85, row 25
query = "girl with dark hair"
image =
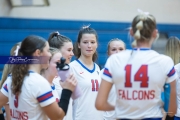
column 63, row 43
column 140, row 76
column 65, row 46
column 29, row 94
column 87, row 74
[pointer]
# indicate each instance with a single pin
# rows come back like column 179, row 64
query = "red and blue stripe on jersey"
column 5, row 88
column 171, row 73
column 107, row 73
column 45, row 96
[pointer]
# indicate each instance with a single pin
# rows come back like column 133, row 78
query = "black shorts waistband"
column 144, row 119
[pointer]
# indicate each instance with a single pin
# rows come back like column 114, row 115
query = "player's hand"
column 70, row 83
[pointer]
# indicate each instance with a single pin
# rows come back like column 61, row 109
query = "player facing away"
column 87, row 74
column 114, row 46
column 139, row 76
column 29, row 94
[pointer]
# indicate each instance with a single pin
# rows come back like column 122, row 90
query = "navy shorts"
column 176, row 118
column 146, row 119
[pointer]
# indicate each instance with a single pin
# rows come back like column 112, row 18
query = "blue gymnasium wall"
column 13, row 30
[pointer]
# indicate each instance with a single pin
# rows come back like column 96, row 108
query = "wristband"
column 2, row 116
column 64, row 101
column 169, row 117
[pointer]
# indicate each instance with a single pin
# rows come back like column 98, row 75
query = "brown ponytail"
column 19, row 71
column 57, row 40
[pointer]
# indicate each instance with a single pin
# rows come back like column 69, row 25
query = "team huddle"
column 135, row 84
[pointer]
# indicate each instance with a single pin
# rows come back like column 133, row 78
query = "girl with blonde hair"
column 139, row 76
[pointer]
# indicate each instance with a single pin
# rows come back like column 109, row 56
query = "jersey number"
column 141, row 76
column 95, row 85
column 16, row 101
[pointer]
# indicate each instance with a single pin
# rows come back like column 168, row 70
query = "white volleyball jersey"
column 58, row 88
column 35, row 94
column 177, row 68
column 88, row 82
column 139, row 76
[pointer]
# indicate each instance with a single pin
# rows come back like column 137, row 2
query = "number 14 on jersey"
column 141, row 75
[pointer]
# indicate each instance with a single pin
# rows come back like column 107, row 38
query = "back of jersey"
column 139, row 77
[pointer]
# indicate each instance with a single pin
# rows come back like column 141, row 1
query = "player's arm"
column 170, row 96
column 4, row 94
column 102, row 97
column 56, row 111
column 53, row 111
column 172, row 106
column 7, row 110
column 3, row 99
column 101, row 102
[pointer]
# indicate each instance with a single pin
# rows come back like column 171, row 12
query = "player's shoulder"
column 8, row 79
column 126, row 52
column 36, row 83
column 123, row 55
column 177, row 67
column 97, row 66
column 73, row 63
column 158, row 57
column 164, row 61
column 165, row 58
column 36, row 78
column 161, row 58
column 102, row 70
column 34, row 74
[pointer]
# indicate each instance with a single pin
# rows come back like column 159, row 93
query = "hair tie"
column 134, row 44
column 16, row 51
column 85, row 27
column 137, row 35
column 58, row 33
column 144, row 15
column 139, row 26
